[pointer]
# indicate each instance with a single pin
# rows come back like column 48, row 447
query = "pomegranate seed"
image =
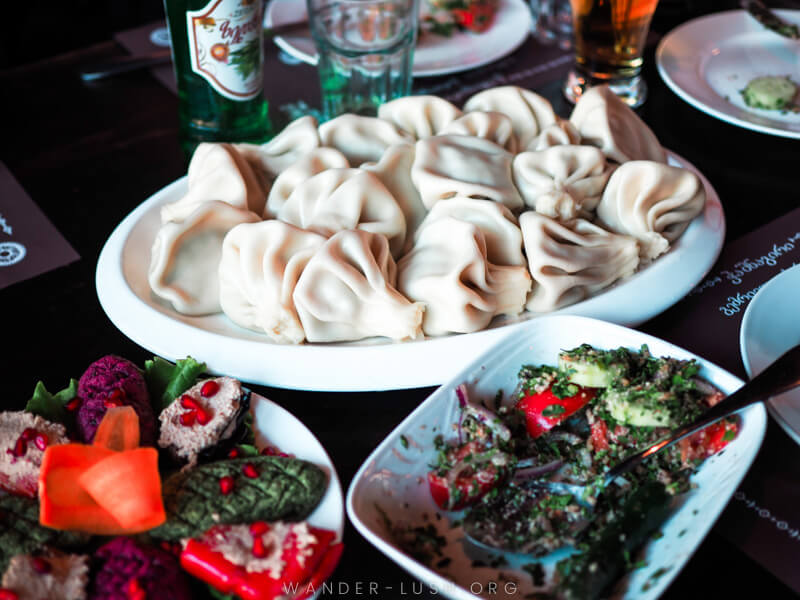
column 41, row 440
column 20, row 448
column 8, row 595
column 259, row 550
column 188, row 402
column 135, row 590
column 209, row 388
column 29, row 434
column 269, row 451
column 233, row 453
column 73, row 404
column 258, row 528
column 187, row 418
column 250, row 471
column 226, row 485
column 40, row 565
column 203, row 416
column 166, row 546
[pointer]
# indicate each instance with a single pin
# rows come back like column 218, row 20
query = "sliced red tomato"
column 545, row 410
column 477, row 16
column 469, row 485
column 599, row 435
column 708, row 441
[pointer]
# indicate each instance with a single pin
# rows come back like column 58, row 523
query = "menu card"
column 29, row 243
column 763, row 519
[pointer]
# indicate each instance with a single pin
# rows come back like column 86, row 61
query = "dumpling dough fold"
column 458, row 165
column 361, row 139
column 493, row 126
column 562, row 182
column 338, row 199
column 560, row 133
column 498, row 225
column 605, row 121
column 419, row 116
column 295, row 140
column 448, row 271
column 652, row 202
column 347, row 292
column 258, row 272
column 529, row 112
column 184, row 260
column 571, row 261
column 219, row 172
column 305, row 167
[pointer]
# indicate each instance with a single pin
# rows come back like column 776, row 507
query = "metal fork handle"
column 781, row 376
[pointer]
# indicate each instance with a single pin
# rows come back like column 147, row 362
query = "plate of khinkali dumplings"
column 371, row 253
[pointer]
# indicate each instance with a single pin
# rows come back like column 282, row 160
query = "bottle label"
column 225, row 46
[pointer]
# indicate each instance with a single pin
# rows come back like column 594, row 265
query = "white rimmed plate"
column 434, row 55
column 374, row 364
column 393, row 478
column 278, row 427
column 708, row 61
column 770, row 326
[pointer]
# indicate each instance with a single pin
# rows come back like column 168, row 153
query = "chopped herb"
column 553, row 410
column 404, row 441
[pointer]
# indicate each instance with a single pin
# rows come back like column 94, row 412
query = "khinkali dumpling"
column 562, row 182
column 420, row 116
column 529, row 112
column 394, row 171
column 459, row 165
column 499, row 227
column 571, row 261
column 339, row 199
column 361, row 139
column 185, row 257
column 305, row 167
column 652, row 202
column 347, row 292
column 605, row 121
column 560, row 133
column 218, row 172
column 296, row 139
column 258, row 271
column 448, row 270
column 492, row 126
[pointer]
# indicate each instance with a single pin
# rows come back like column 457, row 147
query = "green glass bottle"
column 218, row 53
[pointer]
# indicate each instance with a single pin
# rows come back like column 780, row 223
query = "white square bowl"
column 393, row 478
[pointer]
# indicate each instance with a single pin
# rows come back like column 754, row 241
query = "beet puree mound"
column 109, row 381
column 122, row 567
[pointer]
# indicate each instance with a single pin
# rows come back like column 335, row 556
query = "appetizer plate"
column 276, row 426
column 708, row 61
column 392, row 481
column 434, row 54
column 376, row 363
column 769, row 328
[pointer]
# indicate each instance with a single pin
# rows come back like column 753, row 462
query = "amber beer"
column 610, row 37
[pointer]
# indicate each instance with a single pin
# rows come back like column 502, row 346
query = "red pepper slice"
column 298, row 572
column 545, row 410
column 599, row 435
column 469, row 486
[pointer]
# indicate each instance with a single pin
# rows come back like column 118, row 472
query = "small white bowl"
column 393, row 478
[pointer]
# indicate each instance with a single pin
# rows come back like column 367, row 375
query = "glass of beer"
column 609, row 42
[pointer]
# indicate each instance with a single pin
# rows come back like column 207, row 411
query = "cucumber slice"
column 639, row 409
column 769, row 92
column 589, row 367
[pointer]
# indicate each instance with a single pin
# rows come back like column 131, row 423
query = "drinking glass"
column 609, row 42
column 552, row 22
column 366, row 51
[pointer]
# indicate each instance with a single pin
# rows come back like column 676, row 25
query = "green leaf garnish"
column 167, row 381
column 51, row 406
column 553, row 410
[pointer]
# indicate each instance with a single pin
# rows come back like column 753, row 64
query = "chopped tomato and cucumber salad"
column 572, row 422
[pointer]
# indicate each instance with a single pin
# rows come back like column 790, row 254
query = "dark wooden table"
column 89, row 154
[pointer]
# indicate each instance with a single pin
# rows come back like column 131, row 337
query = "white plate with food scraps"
column 393, row 478
column 434, row 54
column 372, row 364
column 770, row 326
column 708, row 61
column 277, row 427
